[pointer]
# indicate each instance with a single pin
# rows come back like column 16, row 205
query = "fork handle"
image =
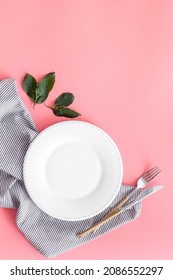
column 99, row 224
column 117, row 206
column 123, row 201
column 111, row 214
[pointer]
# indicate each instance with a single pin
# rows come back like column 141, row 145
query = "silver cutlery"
column 119, row 209
column 141, row 183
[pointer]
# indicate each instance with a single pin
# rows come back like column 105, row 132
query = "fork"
column 141, row 183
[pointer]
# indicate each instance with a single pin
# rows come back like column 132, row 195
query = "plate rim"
column 50, row 127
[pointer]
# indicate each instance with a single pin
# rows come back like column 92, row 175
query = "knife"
column 145, row 193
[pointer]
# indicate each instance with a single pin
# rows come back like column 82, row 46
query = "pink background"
column 116, row 56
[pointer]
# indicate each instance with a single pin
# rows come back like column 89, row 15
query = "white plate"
column 72, row 170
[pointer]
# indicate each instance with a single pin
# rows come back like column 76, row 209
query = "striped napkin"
column 50, row 236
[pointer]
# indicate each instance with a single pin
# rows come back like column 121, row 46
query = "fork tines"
column 153, row 172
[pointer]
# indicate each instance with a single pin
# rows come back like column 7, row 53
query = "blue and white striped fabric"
column 50, row 236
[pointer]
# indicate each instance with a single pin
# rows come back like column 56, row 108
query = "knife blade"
column 145, row 193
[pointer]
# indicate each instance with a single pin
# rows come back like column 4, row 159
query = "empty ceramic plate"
column 73, row 170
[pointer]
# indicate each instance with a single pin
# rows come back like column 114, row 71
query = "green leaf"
column 65, row 112
column 30, row 85
column 65, row 99
column 56, row 111
column 44, row 87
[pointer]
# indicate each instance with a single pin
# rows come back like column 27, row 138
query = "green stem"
column 36, row 94
column 49, row 107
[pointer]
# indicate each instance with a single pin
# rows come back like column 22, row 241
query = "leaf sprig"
column 61, row 104
column 39, row 92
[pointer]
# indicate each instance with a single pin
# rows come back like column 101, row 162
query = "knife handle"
column 117, row 206
column 99, row 224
